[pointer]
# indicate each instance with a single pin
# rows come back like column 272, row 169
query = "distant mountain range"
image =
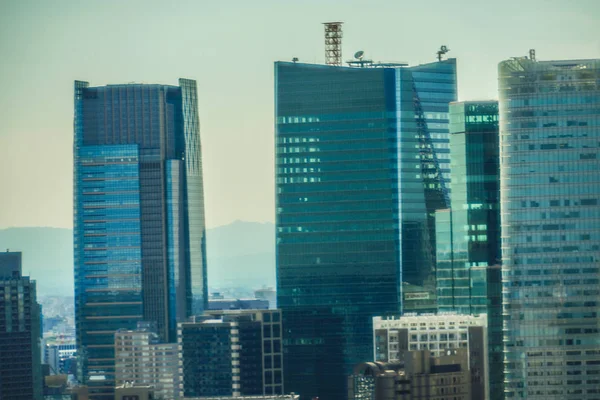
column 240, row 254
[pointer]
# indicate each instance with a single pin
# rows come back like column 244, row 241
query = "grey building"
column 20, row 353
column 139, row 231
column 416, row 375
column 141, row 358
column 439, row 334
column 135, row 392
column 231, row 353
column 550, row 216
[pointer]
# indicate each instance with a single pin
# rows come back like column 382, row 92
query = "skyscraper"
column 362, row 164
column 139, row 232
column 20, row 353
column 469, row 276
column 550, row 192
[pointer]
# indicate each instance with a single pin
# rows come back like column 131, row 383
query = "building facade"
column 438, row 334
column 238, row 304
column 231, row 353
column 57, row 356
column 139, row 234
column 362, row 163
column 550, row 194
column 20, row 353
column 469, row 276
column 142, row 359
column 417, row 375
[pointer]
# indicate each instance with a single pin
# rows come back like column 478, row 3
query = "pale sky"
column 229, row 47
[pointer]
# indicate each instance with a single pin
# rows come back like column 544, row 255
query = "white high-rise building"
column 141, row 359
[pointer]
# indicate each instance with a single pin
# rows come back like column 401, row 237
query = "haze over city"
column 229, row 49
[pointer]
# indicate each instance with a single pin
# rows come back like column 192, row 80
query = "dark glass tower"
column 550, row 181
column 139, row 232
column 231, row 353
column 469, row 278
column 20, row 358
column 362, row 164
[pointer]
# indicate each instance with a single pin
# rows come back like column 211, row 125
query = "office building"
column 290, row 396
column 550, row 194
column 139, row 234
column 135, row 392
column 57, row 356
column 417, row 375
column 362, row 163
column 238, row 304
column 268, row 294
column 20, row 353
column 231, row 353
column 469, row 276
column 438, row 334
column 141, row 359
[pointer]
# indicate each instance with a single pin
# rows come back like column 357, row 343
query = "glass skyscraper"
column 468, row 235
column 550, row 194
column 362, row 163
column 139, row 234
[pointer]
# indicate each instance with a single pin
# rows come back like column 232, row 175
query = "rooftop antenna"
column 443, row 50
column 333, row 43
column 359, row 60
column 532, row 54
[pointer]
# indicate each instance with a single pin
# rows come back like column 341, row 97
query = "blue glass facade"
column 550, row 191
column 468, row 236
column 138, row 217
column 361, row 166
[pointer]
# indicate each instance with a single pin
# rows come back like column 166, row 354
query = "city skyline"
column 398, row 186
column 233, row 71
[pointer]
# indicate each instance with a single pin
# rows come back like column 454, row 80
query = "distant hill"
column 240, row 254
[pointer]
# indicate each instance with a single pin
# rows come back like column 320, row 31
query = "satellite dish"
column 359, row 55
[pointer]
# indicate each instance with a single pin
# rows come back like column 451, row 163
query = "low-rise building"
column 416, row 375
column 437, row 333
column 141, row 359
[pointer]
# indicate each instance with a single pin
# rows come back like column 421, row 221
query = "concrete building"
column 20, row 353
column 135, row 392
column 231, row 353
column 141, row 359
column 439, row 334
column 417, row 375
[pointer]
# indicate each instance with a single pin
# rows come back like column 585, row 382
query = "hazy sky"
column 229, row 48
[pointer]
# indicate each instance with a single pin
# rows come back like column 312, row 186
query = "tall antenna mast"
column 333, row 43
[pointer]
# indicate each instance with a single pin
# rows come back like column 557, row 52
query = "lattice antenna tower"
column 333, row 43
